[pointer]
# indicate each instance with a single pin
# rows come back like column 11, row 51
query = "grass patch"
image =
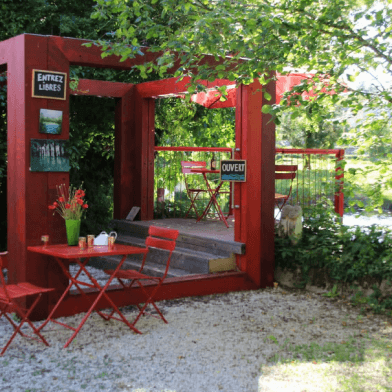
column 357, row 365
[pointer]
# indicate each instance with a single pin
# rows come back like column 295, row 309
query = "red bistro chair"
column 284, row 172
column 9, row 296
column 192, row 192
column 159, row 238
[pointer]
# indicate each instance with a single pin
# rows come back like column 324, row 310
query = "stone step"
column 152, row 269
column 182, row 258
column 185, row 241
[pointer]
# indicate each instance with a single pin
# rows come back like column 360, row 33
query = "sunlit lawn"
column 361, row 364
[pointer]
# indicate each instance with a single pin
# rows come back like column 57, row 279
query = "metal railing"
column 318, row 178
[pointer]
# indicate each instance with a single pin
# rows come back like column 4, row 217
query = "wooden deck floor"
column 212, row 228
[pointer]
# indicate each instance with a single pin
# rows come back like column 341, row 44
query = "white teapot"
column 103, row 238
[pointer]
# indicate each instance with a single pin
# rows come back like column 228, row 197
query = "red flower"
column 85, row 206
column 68, row 205
column 52, row 207
column 55, row 204
column 79, row 201
column 61, row 199
column 80, row 193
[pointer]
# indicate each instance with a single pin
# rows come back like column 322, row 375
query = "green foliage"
column 337, row 42
column 307, row 130
column 91, row 145
column 345, row 254
column 182, row 123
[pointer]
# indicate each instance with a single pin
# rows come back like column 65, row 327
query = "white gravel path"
column 211, row 344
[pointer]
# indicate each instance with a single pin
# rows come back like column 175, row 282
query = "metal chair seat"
column 9, row 294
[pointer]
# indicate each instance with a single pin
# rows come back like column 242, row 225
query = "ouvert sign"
column 233, row 170
column 49, row 84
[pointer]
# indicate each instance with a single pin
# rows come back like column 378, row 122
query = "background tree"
column 336, row 41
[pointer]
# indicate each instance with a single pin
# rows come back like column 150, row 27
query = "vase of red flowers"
column 70, row 204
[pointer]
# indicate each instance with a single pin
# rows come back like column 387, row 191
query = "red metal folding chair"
column 192, row 192
column 158, row 238
column 284, row 172
column 9, row 296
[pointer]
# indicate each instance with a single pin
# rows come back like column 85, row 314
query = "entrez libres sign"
column 49, row 84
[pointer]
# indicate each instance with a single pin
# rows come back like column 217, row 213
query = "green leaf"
column 266, row 109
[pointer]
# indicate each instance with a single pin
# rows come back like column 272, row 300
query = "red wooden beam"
column 172, row 288
column 77, row 54
column 173, row 86
column 312, row 151
column 101, row 88
column 223, row 149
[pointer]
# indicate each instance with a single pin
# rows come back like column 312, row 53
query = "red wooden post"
column 254, row 220
column 339, row 195
column 125, row 196
column 134, row 157
column 29, row 193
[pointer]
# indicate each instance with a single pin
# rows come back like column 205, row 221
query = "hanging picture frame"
column 48, row 155
column 50, row 121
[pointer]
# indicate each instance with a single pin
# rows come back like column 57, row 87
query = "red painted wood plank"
column 311, row 151
column 150, row 159
column 171, row 289
column 77, row 54
column 239, row 188
column 144, row 148
column 101, row 88
column 185, row 148
column 126, row 172
column 16, row 147
column 268, row 189
column 211, row 99
column 173, row 86
column 257, row 146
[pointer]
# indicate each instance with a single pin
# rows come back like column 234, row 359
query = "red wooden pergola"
column 30, row 193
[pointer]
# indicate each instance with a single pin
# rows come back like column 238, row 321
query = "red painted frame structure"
column 29, row 193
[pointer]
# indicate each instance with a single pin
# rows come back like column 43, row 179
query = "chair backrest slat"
column 160, row 243
column 187, row 166
column 285, row 176
column 163, row 232
column 286, row 168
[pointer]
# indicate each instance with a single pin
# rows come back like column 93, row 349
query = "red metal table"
column 81, row 257
column 213, row 193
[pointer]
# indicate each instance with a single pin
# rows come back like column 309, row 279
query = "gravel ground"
column 212, row 343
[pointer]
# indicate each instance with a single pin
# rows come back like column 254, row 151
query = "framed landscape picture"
column 50, row 121
column 48, row 156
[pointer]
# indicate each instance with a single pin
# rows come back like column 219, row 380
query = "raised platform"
column 202, row 248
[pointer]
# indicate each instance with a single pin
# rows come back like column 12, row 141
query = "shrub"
column 347, row 254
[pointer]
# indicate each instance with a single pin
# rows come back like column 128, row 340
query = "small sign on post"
column 233, row 170
column 132, row 214
column 49, row 84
